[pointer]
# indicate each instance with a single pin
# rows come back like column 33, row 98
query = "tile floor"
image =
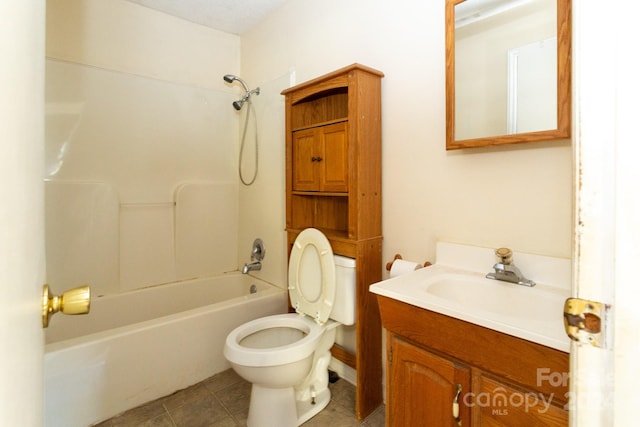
column 223, row 401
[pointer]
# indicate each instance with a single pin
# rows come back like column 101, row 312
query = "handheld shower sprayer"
column 230, row 78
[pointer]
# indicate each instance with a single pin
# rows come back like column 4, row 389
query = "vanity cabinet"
column 333, row 183
column 504, row 380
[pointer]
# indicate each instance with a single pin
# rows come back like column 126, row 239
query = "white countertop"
column 531, row 313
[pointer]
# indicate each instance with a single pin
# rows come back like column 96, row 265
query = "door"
column 424, row 388
column 334, row 165
column 511, row 407
column 607, row 218
column 321, row 159
column 305, row 175
column 21, row 211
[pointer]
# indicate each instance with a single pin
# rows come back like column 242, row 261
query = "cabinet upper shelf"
column 314, row 125
column 324, row 99
column 326, row 106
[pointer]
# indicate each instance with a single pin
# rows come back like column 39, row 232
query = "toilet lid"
column 312, row 275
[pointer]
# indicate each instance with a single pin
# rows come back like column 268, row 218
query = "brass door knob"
column 73, row 301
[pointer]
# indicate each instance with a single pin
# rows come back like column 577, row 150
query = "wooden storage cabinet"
column 429, row 354
column 333, row 183
column 320, row 159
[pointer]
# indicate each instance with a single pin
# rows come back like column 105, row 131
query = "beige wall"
column 519, row 196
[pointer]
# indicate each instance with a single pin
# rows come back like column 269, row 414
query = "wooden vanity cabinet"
column 333, row 181
column 505, row 381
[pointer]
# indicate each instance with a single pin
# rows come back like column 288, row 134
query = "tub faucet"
column 257, row 255
column 504, row 270
column 256, row 265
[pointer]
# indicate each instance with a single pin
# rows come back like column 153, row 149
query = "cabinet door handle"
column 455, row 407
column 316, row 159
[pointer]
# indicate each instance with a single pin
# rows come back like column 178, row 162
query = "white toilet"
column 286, row 356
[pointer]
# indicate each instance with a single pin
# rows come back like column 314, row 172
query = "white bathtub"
column 137, row 346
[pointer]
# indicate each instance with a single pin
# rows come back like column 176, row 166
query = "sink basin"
column 532, row 313
column 492, row 296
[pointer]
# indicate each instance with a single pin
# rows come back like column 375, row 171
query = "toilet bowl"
column 286, row 356
column 275, row 342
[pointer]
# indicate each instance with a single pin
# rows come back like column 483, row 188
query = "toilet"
column 286, row 356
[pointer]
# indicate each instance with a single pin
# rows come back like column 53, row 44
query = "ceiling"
column 230, row 16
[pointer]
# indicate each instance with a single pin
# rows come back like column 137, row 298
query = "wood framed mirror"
column 508, row 71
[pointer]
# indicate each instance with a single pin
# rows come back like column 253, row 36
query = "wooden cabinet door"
column 321, row 159
column 305, row 174
column 495, row 404
column 334, row 163
column 423, row 387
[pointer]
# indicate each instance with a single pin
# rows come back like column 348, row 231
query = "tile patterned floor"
column 223, row 401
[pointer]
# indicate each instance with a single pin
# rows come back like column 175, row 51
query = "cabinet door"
column 423, row 387
column 334, row 158
column 496, row 404
column 321, row 159
column 305, row 174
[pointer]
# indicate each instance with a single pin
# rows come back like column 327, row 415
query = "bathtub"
column 138, row 346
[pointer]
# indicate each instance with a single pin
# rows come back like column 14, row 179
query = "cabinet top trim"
column 331, row 75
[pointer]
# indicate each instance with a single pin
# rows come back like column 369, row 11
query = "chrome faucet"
column 504, row 270
column 256, row 265
column 257, row 255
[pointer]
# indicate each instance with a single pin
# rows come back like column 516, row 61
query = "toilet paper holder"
column 398, row 256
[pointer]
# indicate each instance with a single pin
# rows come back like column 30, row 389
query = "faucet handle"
column 504, row 255
column 257, row 251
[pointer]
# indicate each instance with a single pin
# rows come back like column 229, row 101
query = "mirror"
column 508, row 71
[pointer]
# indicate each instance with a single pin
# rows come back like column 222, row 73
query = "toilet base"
column 277, row 407
column 307, row 409
column 272, row 407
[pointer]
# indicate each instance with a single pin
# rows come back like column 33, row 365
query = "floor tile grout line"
column 173, row 422
column 233, row 417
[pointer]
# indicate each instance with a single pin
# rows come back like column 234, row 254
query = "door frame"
column 607, row 209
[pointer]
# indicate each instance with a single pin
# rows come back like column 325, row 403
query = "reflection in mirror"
column 508, row 71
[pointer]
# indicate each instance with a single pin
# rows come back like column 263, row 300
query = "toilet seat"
column 312, row 275
column 296, row 350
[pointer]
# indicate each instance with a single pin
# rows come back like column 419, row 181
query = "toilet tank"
column 344, row 305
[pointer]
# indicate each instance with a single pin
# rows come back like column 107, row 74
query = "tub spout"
column 257, row 265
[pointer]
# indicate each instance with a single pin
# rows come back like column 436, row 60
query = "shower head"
column 230, row 78
column 238, row 104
